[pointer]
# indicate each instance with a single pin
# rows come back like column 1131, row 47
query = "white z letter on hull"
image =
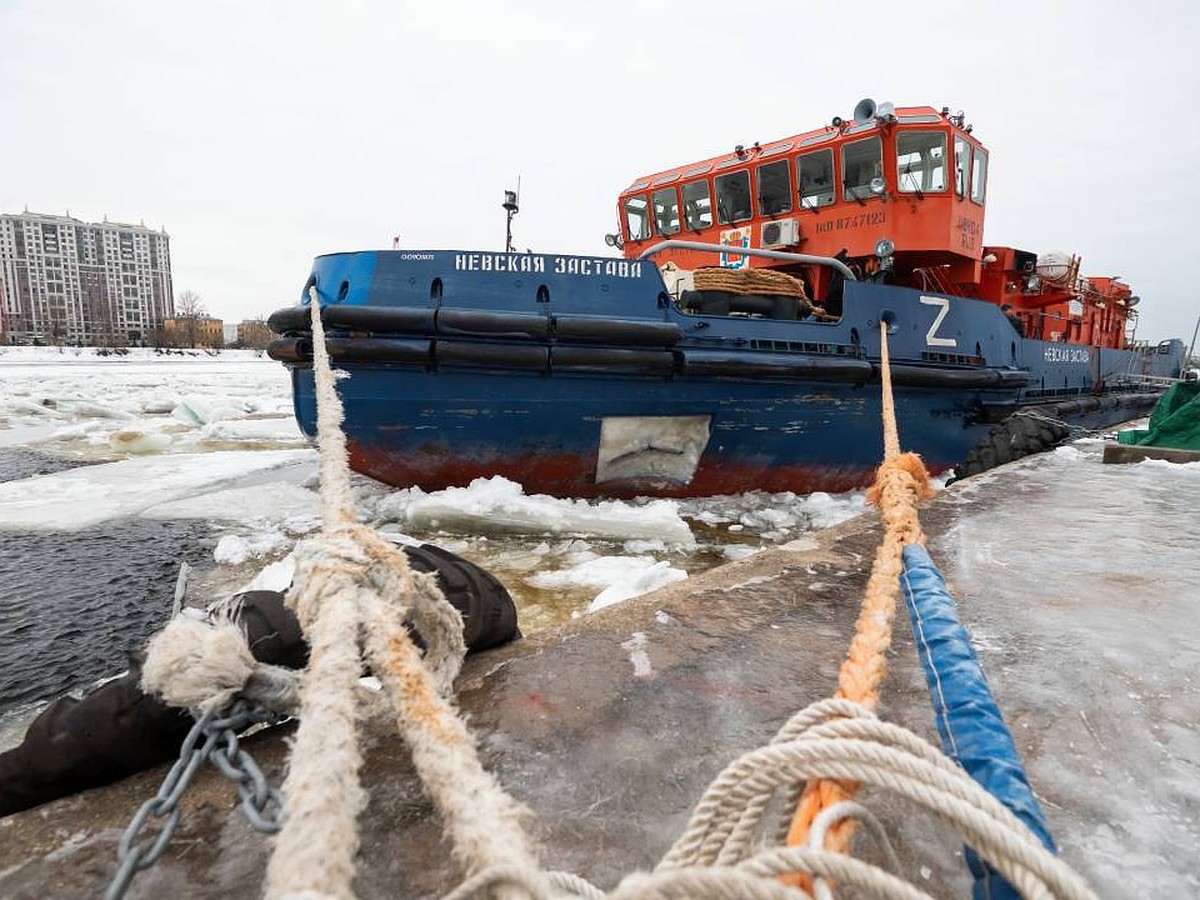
column 931, row 338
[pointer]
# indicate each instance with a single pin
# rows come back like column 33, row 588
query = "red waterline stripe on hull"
column 572, row 475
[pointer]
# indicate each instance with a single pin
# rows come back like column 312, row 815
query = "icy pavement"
column 1081, row 586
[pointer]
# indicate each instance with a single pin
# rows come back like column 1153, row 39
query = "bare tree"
column 189, row 306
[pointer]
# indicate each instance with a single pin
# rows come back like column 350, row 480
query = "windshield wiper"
column 854, row 193
column 916, row 185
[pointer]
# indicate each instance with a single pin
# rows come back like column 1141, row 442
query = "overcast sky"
column 263, row 133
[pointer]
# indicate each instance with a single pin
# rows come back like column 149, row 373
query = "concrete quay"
column 1073, row 576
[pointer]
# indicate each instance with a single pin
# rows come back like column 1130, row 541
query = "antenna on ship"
column 511, row 204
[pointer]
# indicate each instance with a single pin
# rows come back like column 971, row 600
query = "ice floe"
column 499, row 505
column 621, row 577
column 89, row 495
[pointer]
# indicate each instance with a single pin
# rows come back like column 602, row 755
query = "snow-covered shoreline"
column 10, row 355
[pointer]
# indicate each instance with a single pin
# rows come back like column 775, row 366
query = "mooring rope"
column 352, row 593
column 900, row 484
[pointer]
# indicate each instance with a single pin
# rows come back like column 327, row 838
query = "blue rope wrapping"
column 972, row 730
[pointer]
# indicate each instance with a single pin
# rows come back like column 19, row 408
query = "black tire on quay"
column 489, row 614
column 1015, row 437
column 116, row 730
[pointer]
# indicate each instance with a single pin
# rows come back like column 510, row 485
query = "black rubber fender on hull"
column 389, row 351
column 722, row 364
column 932, row 376
column 1018, row 436
column 475, row 323
column 644, row 361
column 370, row 319
column 613, row 361
column 621, row 332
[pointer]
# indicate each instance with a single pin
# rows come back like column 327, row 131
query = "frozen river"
column 116, row 469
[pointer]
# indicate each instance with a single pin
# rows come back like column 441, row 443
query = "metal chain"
column 1076, row 431
column 213, row 737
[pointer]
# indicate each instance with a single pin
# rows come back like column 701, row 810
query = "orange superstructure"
column 898, row 193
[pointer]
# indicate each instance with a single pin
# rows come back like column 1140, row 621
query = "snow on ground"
column 212, row 437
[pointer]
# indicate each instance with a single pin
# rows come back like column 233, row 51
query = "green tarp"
column 1175, row 422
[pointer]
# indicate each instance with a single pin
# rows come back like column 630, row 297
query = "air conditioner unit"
column 780, row 233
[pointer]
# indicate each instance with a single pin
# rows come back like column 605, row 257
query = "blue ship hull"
column 578, row 376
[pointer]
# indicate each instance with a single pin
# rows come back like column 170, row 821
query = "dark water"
column 74, row 605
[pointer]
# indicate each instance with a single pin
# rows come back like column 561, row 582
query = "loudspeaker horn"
column 864, row 112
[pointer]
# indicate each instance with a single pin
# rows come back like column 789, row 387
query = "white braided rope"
column 887, row 756
column 481, row 819
column 831, row 816
column 322, row 789
column 352, row 593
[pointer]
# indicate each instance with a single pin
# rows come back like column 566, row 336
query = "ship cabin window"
column 733, row 197
column 920, row 161
column 979, row 176
column 962, row 165
column 666, row 210
column 637, row 218
column 697, row 205
column 862, row 163
column 774, row 189
column 814, row 172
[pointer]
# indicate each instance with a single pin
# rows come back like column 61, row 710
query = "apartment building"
column 65, row 281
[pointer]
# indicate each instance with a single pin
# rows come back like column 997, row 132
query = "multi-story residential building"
column 69, row 281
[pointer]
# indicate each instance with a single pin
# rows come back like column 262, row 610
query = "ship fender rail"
column 472, row 323
column 372, row 319
column 483, row 323
column 731, row 364
column 391, row 351
column 933, row 376
column 598, row 330
column 805, row 258
column 480, row 355
column 492, row 356
column 613, row 361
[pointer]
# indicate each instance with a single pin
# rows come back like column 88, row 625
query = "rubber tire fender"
column 1011, row 439
column 489, row 614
